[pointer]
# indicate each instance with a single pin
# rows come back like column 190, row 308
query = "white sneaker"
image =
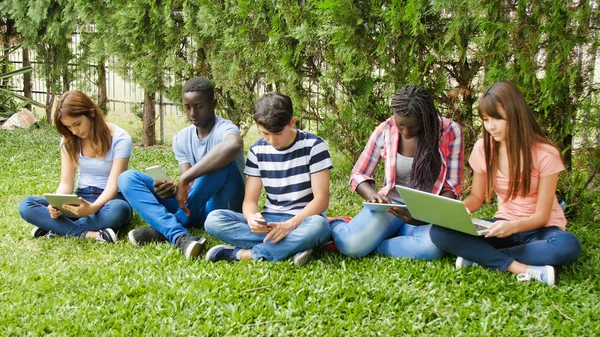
column 464, row 263
column 302, row 257
column 543, row 274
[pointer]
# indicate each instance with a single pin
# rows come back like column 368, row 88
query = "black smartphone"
column 261, row 222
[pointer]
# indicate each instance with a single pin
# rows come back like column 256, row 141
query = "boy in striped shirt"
column 293, row 166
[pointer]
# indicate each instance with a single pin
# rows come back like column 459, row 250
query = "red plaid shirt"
column 383, row 143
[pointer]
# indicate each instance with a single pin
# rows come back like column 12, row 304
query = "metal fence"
column 124, row 94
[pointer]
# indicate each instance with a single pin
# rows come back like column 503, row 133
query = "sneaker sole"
column 303, row 258
column 192, row 250
column 458, row 263
column 551, row 276
column 132, row 238
column 35, row 229
column 112, row 234
column 210, row 251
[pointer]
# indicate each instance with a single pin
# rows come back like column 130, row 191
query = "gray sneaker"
column 190, row 245
column 544, row 274
column 142, row 236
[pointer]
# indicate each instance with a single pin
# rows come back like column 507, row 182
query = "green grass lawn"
column 65, row 286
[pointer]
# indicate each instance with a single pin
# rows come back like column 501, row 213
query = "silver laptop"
column 442, row 211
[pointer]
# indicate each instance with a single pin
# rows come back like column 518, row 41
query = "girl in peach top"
column 517, row 162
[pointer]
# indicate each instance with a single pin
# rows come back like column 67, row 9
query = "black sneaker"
column 142, row 236
column 37, row 232
column 106, row 236
column 190, row 245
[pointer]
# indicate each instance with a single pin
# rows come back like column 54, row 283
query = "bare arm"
column 67, row 174
column 119, row 166
column 67, row 181
column 368, row 193
column 474, row 201
column 217, row 158
column 250, row 205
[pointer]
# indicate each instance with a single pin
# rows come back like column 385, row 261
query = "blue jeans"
column 386, row 234
column 544, row 246
column 231, row 227
column 114, row 214
column 221, row 189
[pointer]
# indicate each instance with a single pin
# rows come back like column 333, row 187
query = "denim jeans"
column 386, row 234
column 114, row 214
column 221, row 189
column 231, row 227
column 544, row 246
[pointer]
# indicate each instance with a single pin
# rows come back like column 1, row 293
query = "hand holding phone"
column 261, row 222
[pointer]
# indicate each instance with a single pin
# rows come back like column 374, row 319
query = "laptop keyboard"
column 481, row 225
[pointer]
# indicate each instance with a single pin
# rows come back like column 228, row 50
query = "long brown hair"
column 522, row 134
column 74, row 104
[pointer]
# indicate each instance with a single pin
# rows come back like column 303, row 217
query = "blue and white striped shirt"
column 286, row 173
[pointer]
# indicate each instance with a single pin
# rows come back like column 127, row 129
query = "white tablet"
column 58, row 200
column 157, row 173
column 375, row 207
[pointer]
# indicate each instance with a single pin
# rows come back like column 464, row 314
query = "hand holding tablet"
column 58, row 200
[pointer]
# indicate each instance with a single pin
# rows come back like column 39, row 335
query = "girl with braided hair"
column 420, row 150
column 100, row 151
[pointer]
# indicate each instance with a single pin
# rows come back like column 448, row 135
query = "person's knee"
column 215, row 221
column 126, row 178
column 430, row 252
column 317, row 229
column 428, row 249
column 568, row 248
column 438, row 235
column 351, row 246
column 121, row 209
column 25, row 206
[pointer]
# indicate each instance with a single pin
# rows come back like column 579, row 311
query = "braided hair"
column 416, row 101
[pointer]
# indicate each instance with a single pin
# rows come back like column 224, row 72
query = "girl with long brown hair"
column 100, row 151
column 518, row 162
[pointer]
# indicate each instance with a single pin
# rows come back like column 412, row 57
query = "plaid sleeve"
column 456, row 153
column 368, row 160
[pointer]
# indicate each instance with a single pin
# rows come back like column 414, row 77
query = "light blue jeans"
column 384, row 233
column 114, row 214
column 221, row 189
column 231, row 227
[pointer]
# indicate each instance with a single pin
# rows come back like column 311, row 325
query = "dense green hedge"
column 341, row 61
